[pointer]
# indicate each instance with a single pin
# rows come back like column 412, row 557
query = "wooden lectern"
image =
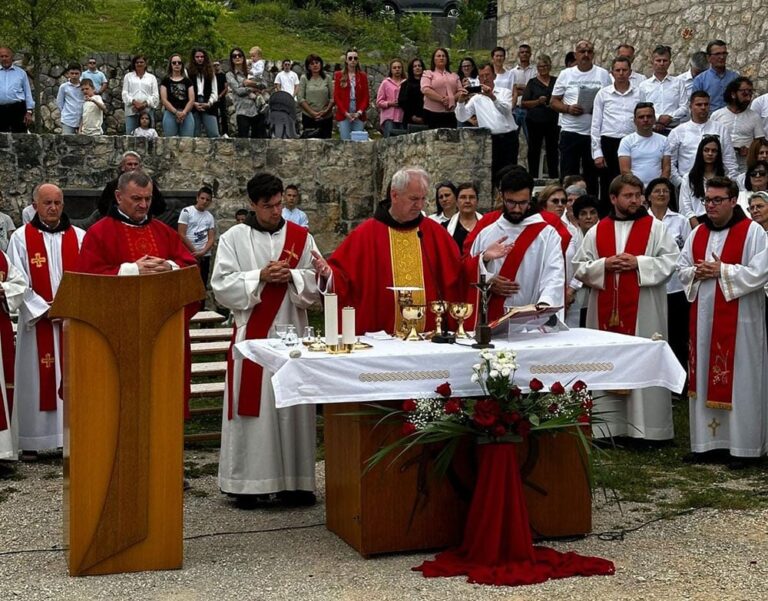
column 399, row 506
column 123, row 364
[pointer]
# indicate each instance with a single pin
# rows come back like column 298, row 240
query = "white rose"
column 493, row 374
column 474, row 378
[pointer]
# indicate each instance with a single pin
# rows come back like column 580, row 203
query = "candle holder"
column 482, row 329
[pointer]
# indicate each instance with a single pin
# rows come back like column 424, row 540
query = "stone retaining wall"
column 340, row 182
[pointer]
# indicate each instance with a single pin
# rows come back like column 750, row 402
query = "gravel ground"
column 288, row 554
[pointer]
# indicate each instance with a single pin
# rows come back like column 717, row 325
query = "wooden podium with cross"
column 123, row 366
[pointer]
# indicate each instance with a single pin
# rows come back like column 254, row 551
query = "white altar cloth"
column 397, row 370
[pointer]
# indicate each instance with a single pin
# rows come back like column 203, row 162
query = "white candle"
column 331, row 320
column 348, row 325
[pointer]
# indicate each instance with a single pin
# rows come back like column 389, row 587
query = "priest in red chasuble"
column 398, row 246
column 626, row 260
column 724, row 267
column 43, row 250
column 129, row 241
column 263, row 273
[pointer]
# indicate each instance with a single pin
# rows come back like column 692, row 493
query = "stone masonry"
column 340, row 182
column 553, row 26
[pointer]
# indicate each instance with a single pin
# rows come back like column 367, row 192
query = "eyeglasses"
column 716, row 200
column 352, row 58
column 758, row 173
column 176, row 62
column 520, row 204
column 757, row 207
column 661, row 191
column 723, row 53
column 238, row 55
column 558, row 201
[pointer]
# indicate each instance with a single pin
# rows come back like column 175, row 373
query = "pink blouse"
column 445, row 84
column 387, row 94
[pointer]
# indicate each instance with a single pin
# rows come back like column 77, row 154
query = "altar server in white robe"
column 626, row 260
column 43, row 249
column 263, row 274
column 724, row 266
column 520, row 253
column 12, row 287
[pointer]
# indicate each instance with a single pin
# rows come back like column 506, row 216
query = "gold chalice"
column 439, row 308
column 460, row 312
column 412, row 314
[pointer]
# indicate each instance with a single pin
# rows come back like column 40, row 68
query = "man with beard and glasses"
column 724, row 266
column 742, row 123
column 520, row 252
column 626, row 260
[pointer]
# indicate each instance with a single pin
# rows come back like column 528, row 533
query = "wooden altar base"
column 399, row 506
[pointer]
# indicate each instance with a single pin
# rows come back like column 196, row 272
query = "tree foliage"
column 45, row 31
column 168, row 26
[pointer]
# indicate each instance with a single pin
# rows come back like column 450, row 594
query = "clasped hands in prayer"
column 706, row 270
column 150, row 264
column 622, row 262
column 276, row 272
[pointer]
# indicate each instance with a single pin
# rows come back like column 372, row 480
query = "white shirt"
column 743, row 127
column 690, row 204
column 635, row 78
column 613, row 115
column 568, row 85
column 139, row 88
column 687, row 79
column 760, row 106
column 505, row 80
column 200, row 86
column 645, row 153
column 522, row 75
column 495, row 115
column 288, row 81
column 683, row 142
column 198, row 223
column 679, row 228
column 668, row 96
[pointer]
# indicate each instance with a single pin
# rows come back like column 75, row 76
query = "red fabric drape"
column 497, row 547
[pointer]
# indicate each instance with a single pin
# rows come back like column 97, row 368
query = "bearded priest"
column 626, row 260
column 724, row 267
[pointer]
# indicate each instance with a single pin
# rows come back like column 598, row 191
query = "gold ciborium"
column 412, row 314
column 460, row 312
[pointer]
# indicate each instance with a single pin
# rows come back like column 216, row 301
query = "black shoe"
column 742, row 463
column 29, row 456
column 254, row 501
column 716, row 456
column 297, row 498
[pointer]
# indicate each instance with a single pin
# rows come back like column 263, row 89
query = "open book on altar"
column 524, row 314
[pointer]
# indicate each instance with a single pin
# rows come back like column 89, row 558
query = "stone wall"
column 553, row 26
column 340, row 182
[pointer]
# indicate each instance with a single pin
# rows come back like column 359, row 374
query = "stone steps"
column 210, row 334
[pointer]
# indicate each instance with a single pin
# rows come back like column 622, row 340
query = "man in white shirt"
column 697, row 64
column 684, row 139
column 523, row 73
column 287, row 80
column 760, row 106
column 642, row 153
column 291, row 211
column 492, row 109
column 628, row 51
column 612, row 119
column 573, row 97
column 666, row 92
column 742, row 123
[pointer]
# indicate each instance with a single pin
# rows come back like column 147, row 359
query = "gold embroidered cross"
column 291, row 254
column 47, row 360
column 38, row 260
column 714, row 425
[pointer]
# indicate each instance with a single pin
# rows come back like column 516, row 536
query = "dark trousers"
column 678, row 309
column 321, row 129
column 251, row 127
column 539, row 134
column 610, row 148
column 437, row 120
column 504, row 151
column 223, row 113
column 576, row 158
column 12, row 118
column 204, row 264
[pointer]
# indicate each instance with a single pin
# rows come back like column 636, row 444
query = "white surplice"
column 275, row 451
column 744, row 429
column 14, row 284
column 645, row 413
column 38, row 430
column 541, row 274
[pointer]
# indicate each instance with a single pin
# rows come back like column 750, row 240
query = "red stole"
column 617, row 302
column 8, row 348
column 562, row 229
column 40, row 281
column 725, row 318
column 512, row 264
column 261, row 319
